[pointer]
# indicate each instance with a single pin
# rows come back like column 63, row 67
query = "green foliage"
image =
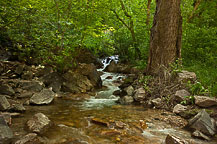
column 199, row 43
column 140, row 64
column 176, row 67
column 145, row 81
column 199, row 47
column 44, row 30
column 197, row 88
column 190, row 99
column 207, row 76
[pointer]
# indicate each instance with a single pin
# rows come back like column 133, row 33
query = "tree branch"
column 197, row 3
column 10, row 22
column 148, row 12
column 123, row 22
column 124, row 9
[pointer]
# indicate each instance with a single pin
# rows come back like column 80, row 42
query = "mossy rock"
column 192, row 112
column 189, row 113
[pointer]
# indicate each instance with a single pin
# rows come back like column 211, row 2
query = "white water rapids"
column 105, row 97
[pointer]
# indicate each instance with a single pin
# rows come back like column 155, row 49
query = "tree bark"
column 166, row 34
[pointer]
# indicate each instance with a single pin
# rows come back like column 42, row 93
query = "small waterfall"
column 105, row 97
column 106, row 61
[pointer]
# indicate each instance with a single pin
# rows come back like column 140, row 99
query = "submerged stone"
column 30, row 138
column 170, row 139
column 39, row 123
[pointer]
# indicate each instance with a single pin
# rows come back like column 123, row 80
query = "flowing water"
column 73, row 120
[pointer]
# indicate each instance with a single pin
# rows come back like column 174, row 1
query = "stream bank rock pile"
column 173, row 95
column 22, row 85
column 121, row 68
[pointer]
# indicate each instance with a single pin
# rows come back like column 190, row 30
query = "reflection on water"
column 72, row 122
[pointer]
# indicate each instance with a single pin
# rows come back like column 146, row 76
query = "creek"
column 73, row 119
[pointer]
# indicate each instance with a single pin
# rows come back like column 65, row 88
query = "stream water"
column 72, row 120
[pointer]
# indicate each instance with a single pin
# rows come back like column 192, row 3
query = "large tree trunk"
column 166, row 33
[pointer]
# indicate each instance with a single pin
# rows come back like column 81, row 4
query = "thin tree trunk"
column 196, row 5
column 59, row 28
column 130, row 27
column 166, row 33
column 148, row 12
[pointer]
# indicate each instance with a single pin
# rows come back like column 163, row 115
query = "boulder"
column 39, row 123
column 76, row 83
column 126, row 100
column 4, row 104
column 129, row 90
column 53, row 80
column 42, row 71
column 179, row 109
column 86, row 56
column 56, row 86
column 203, row 123
column 46, row 96
column 33, row 85
column 185, row 76
column 140, row 94
column 6, row 133
column 200, row 135
column 30, row 138
column 181, row 95
column 28, row 75
column 204, row 101
column 6, row 90
column 170, row 139
column 112, row 67
column 90, row 71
